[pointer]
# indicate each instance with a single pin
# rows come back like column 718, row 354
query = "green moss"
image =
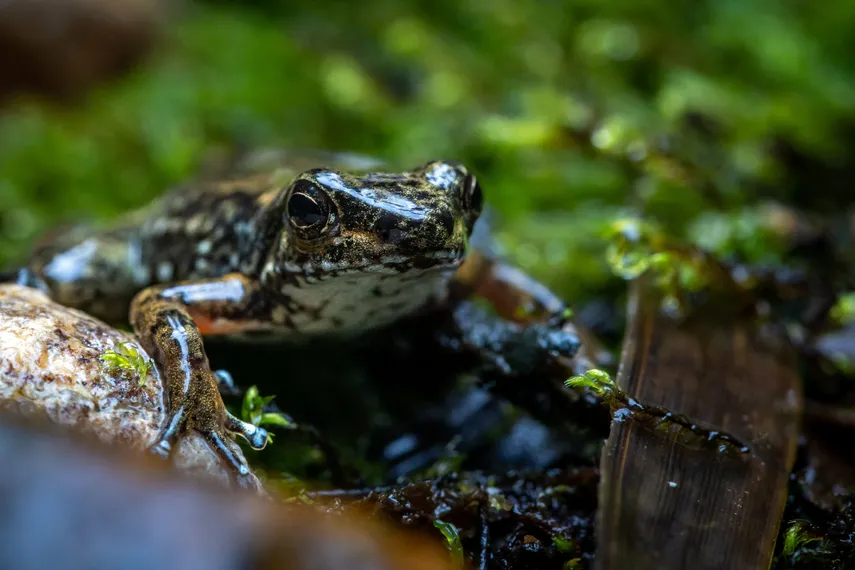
column 748, row 234
column 253, row 411
column 126, row 357
column 598, row 381
column 563, row 544
column 843, row 311
column 452, row 538
column 796, row 537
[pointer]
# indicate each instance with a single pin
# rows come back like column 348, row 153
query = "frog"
column 287, row 244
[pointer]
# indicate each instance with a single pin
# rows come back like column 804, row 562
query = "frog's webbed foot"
column 519, row 298
column 525, row 365
column 228, row 451
column 218, row 438
column 162, row 319
column 254, row 435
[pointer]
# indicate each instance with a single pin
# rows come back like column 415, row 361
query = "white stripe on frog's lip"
column 388, row 265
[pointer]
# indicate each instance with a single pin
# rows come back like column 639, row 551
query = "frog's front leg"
column 519, row 298
column 525, row 364
column 169, row 322
column 515, row 295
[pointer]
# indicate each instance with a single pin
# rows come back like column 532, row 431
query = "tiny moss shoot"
column 452, row 538
column 451, row 461
column 796, row 538
column 127, row 357
column 843, row 363
column 563, row 544
column 252, row 411
column 499, row 503
column 598, row 382
column 299, row 496
column 843, row 311
column 843, row 314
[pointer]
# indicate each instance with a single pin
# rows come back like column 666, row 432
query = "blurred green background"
column 571, row 113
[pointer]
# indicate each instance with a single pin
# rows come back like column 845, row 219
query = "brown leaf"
column 668, row 505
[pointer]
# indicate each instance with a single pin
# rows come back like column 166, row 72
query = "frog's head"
column 361, row 251
column 341, row 224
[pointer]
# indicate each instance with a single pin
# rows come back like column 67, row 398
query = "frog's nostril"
column 390, row 230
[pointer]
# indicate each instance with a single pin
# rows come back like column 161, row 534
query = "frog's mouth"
column 385, row 265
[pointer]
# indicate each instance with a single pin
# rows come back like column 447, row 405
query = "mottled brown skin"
column 279, row 246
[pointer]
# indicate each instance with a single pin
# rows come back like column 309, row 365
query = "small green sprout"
column 572, row 564
column 452, row 537
column 796, row 537
column 127, row 357
column 450, row 462
column 598, row 381
column 299, row 497
column 496, row 501
column 563, row 544
column 843, row 363
column 252, row 411
column 843, row 311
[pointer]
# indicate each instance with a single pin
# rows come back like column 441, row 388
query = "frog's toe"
column 227, row 450
column 162, row 448
column 256, row 436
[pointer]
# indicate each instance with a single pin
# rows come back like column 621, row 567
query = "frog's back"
column 203, row 229
column 200, row 229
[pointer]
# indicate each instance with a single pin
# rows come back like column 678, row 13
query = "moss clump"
column 126, row 357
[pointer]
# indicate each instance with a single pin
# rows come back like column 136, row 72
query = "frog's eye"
column 304, row 211
column 474, row 197
column 308, row 207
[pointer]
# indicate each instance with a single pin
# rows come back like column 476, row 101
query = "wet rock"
column 50, row 366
